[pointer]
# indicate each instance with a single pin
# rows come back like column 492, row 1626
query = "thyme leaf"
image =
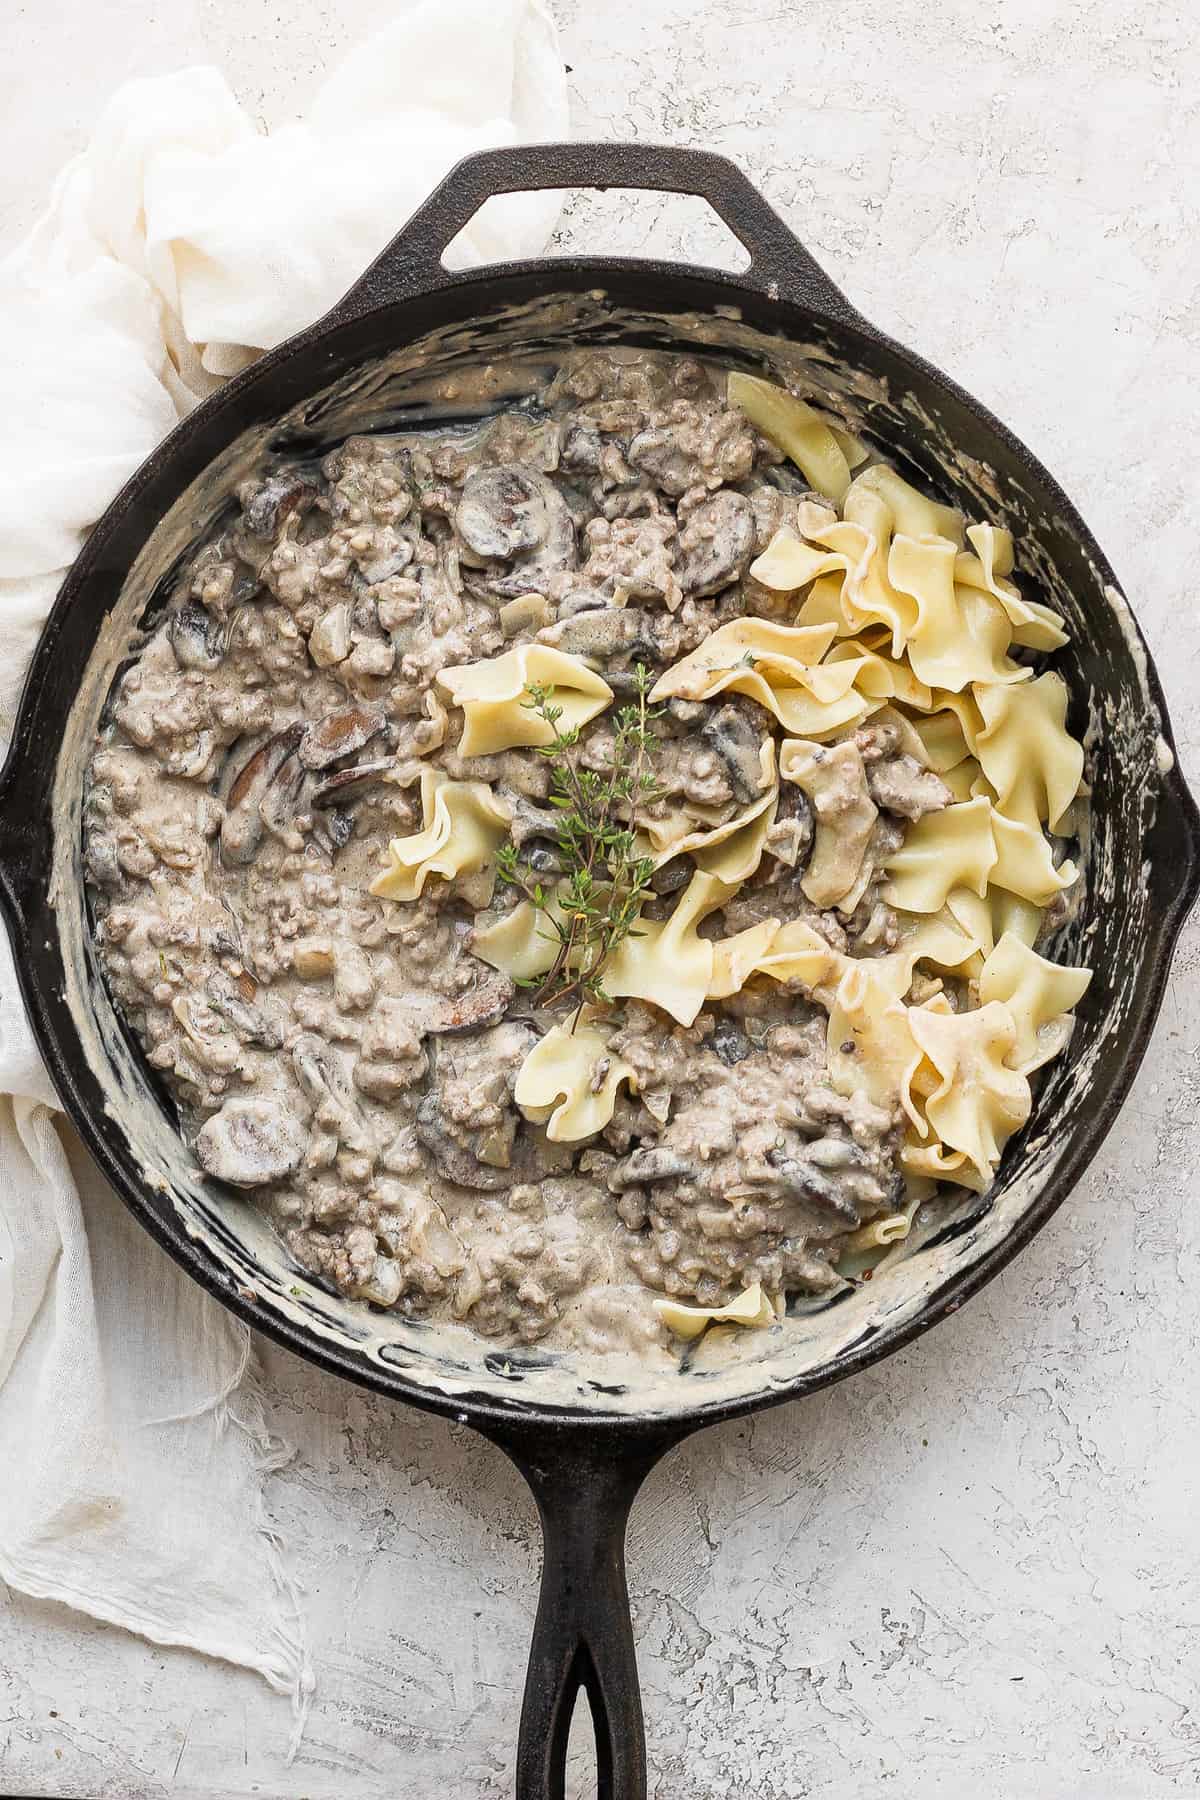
column 604, row 881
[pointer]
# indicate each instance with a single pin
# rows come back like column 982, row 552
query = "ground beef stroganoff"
column 649, row 632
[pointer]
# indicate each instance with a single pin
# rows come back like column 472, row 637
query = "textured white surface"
column 974, row 1568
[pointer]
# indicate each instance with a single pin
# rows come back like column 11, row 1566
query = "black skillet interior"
column 585, row 1437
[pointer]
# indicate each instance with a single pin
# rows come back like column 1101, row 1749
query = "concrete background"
column 973, row 1570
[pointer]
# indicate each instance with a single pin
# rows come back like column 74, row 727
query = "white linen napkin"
column 133, row 1438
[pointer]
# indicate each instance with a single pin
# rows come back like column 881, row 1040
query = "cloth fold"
column 178, row 245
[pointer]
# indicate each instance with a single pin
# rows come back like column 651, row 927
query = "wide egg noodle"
column 751, row 1307
column 464, row 825
column 985, row 566
column 871, row 1047
column 910, row 512
column 944, row 850
column 733, row 849
column 979, row 1101
column 1026, row 752
column 494, row 694
column 948, row 729
column 986, row 919
column 524, row 943
column 799, row 954
column 737, row 958
column 665, row 962
column 880, row 678
column 1038, row 993
column 777, row 665
column 965, row 781
column 940, row 939
column 797, row 429
column 569, row 1082
column 962, row 634
column 834, row 780
column 1024, row 863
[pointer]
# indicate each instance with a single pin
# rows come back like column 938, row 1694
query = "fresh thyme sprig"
column 599, row 895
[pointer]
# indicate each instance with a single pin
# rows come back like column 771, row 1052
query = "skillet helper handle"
column 583, row 1634
column 412, row 262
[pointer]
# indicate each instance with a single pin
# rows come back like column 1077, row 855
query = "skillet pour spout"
column 585, row 1437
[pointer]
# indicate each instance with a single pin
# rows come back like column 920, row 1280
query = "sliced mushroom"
column 100, row 860
column 215, row 1049
column 789, row 838
column 389, row 559
column 502, row 1153
column 657, row 452
column 341, row 733
column 242, row 826
column 581, row 448
column 251, row 1143
column 281, row 803
column 656, row 1163
column 716, row 544
column 502, row 510
column 798, row 1178
column 582, row 600
column 730, row 1043
column 482, row 1005
column 596, row 633
column 250, row 1022
column 323, row 1076
column 672, row 877
column 198, row 640
column 265, row 510
column 332, row 830
column 345, row 785
column 529, row 821
column 454, row 1160
column 512, row 514
column 734, row 738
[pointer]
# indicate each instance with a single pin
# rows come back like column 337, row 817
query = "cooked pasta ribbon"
column 665, row 961
column 494, row 694
column 464, row 825
column 797, row 429
column 1039, row 994
column 751, row 1307
column 1026, row 752
column 892, row 1228
column 962, row 634
column 777, row 665
column 979, row 1100
column 1024, row 864
column 835, row 782
column 569, row 1082
column 871, row 1047
column 944, row 850
column 733, row 849
column 1035, row 626
column 523, row 943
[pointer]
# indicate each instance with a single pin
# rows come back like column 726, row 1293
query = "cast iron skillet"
column 585, row 1436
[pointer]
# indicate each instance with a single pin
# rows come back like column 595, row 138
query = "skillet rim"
column 501, row 1413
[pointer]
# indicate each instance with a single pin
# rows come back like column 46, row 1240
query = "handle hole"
column 582, row 1775
column 621, row 221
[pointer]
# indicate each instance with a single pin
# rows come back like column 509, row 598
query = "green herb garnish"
column 604, row 882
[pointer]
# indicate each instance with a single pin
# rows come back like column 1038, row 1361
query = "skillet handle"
column 412, row 262
column 583, row 1635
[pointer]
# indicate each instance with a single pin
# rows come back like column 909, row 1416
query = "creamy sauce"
column 353, row 1061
